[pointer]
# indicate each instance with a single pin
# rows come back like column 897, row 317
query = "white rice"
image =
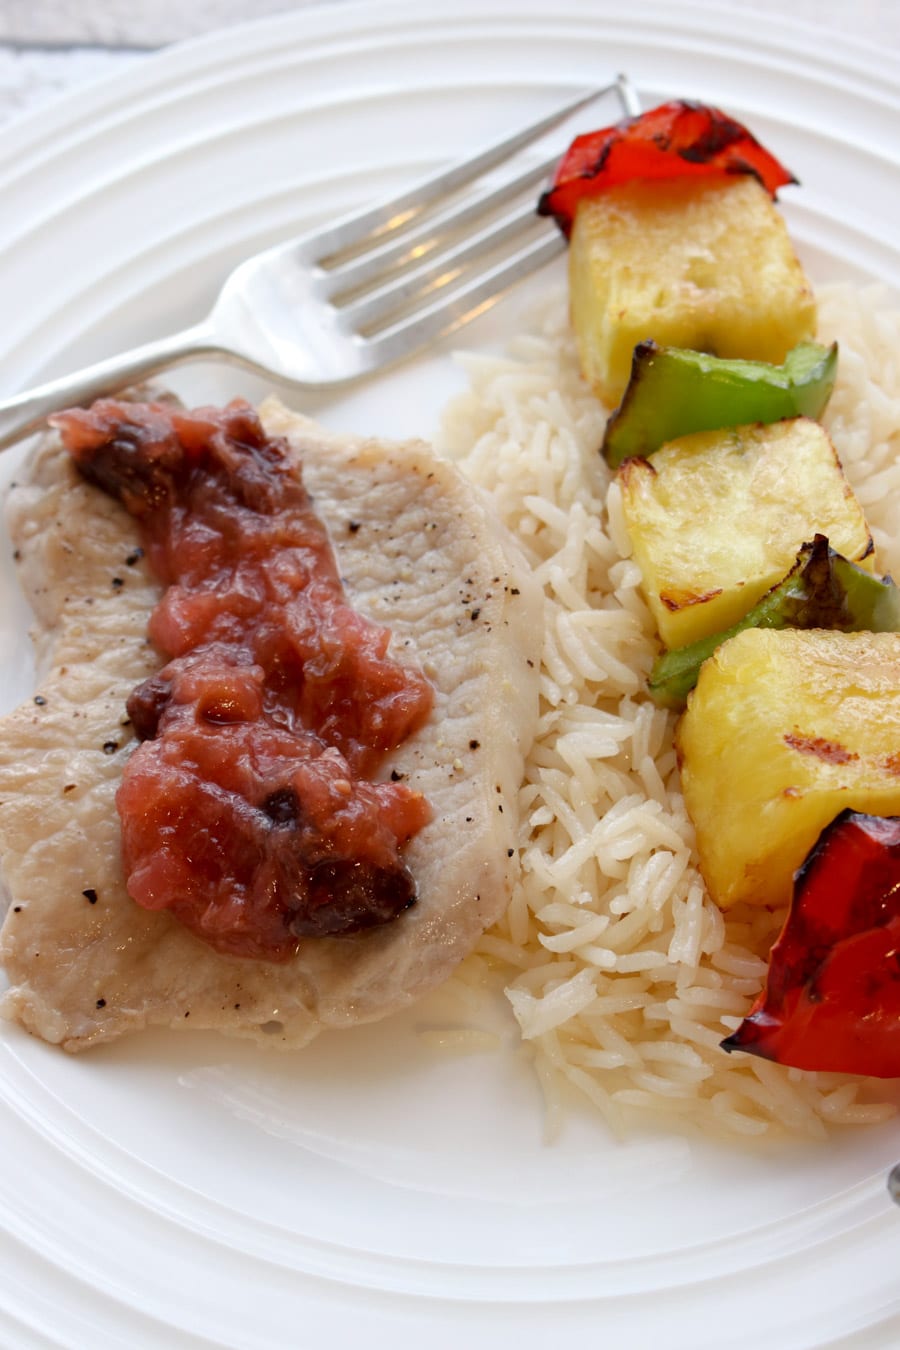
column 622, row 974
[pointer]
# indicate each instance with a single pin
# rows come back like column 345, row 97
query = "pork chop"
column 421, row 553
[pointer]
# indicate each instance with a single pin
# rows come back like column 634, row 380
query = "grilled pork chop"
column 420, row 553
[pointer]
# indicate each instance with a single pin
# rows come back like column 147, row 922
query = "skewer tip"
column 893, row 1184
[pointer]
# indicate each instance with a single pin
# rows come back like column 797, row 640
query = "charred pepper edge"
column 822, row 590
column 720, row 146
column 768, row 1018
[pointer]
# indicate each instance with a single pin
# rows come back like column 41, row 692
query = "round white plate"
column 183, row 1191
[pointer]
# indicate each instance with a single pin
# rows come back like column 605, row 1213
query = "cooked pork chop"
column 421, row 553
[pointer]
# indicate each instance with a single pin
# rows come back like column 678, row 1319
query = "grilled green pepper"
column 822, row 590
column 673, row 391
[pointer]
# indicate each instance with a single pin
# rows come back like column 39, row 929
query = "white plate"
column 181, row 1191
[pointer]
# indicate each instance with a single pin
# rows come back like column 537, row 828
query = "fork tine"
column 417, row 243
column 628, row 96
column 459, row 296
column 458, row 306
column 381, row 219
column 440, row 270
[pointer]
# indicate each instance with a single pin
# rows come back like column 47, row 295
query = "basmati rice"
column 622, row 974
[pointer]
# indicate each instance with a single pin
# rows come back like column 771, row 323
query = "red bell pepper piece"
column 675, row 140
column 832, row 998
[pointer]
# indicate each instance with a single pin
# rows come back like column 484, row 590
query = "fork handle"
column 26, row 412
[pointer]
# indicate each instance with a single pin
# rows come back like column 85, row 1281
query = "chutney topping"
column 250, row 809
column 680, row 139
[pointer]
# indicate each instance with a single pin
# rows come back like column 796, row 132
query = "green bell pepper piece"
column 673, row 391
column 822, row 590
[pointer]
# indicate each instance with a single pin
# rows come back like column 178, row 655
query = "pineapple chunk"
column 783, row 731
column 718, row 517
column 706, row 265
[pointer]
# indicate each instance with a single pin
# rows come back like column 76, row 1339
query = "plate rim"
column 296, row 22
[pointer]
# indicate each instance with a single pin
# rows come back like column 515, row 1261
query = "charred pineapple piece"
column 718, row 517
column 822, row 590
column 784, row 730
column 689, row 263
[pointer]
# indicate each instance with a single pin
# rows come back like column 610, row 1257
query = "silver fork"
column 347, row 300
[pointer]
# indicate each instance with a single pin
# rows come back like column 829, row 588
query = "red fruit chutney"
column 250, row 808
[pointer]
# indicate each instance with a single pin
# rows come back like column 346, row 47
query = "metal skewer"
column 893, row 1184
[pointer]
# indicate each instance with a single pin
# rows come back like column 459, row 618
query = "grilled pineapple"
column 783, row 731
column 718, row 517
column 706, row 265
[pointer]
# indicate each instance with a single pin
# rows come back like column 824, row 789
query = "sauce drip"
column 250, row 808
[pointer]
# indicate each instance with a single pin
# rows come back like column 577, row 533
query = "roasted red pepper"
column 832, row 998
column 675, row 140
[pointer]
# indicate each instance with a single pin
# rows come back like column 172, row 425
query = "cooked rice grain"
column 622, row 974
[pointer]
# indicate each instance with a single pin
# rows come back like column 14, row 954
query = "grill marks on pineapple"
column 789, row 727
column 829, row 751
column 717, row 518
column 674, row 601
column 832, row 752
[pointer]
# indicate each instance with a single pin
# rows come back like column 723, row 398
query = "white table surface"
column 47, row 46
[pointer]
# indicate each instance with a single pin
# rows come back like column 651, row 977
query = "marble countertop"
column 48, row 46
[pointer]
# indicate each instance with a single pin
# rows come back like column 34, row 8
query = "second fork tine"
column 426, row 278
column 447, row 313
column 378, row 261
